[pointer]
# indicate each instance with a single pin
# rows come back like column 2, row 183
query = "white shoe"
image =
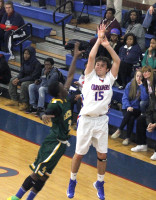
column 139, row 148
column 116, row 134
column 126, row 142
column 12, row 57
column 153, row 157
column 25, row 4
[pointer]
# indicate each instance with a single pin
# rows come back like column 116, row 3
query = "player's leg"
column 101, row 168
column 100, row 142
column 28, row 183
column 39, row 182
column 82, row 146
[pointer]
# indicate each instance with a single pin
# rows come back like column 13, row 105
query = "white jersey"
column 96, row 95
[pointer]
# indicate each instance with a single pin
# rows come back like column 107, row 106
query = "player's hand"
column 101, row 31
column 47, row 118
column 151, row 10
column 130, row 109
column 77, row 52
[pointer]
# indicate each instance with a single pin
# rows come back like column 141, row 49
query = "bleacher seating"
column 49, row 2
column 80, row 64
column 24, row 45
column 115, row 118
column 40, row 14
column 40, row 31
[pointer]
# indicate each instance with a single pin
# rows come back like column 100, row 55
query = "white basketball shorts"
column 92, row 131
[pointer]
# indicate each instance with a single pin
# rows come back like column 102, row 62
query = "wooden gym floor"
column 129, row 176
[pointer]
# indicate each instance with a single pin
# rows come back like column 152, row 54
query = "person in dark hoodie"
column 29, row 72
column 2, row 9
column 5, row 74
column 39, row 89
column 10, row 21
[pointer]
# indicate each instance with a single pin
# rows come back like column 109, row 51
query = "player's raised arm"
column 115, row 57
column 72, row 68
column 94, row 50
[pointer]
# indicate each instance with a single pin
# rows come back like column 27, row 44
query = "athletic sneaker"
column 116, row 134
column 13, row 198
column 71, row 188
column 139, row 148
column 100, row 189
column 126, row 142
column 153, row 157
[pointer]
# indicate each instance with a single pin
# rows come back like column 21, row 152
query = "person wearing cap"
column 117, row 5
column 114, row 43
column 40, row 87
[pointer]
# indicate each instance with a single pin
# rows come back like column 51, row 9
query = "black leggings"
column 129, row 118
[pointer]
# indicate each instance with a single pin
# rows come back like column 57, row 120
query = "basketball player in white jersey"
column 93, row 120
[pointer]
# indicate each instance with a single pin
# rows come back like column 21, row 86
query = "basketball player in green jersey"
column 54, row 145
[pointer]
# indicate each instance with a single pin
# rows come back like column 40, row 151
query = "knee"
column 78, row 156
column 24, row 85
column 101, row 156
column 41, row 90
column 31, row 87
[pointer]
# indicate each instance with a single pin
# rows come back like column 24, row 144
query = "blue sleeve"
column 144, row 95
column 125, row 99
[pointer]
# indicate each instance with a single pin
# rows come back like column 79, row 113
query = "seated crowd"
column 136, row 73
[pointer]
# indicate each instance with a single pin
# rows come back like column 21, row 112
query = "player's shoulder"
column 56, row 101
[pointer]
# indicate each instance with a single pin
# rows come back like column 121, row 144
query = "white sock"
column 73, row 176
column 100, row 177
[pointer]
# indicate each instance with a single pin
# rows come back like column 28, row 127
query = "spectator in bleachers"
column 136, row 28
column 29, row 72
column 129, row 55
column 132, row 105
column 5, row 73
column 42, row 3
column 147, row 121
column 149, row 22
column 10, row 21
column 2, row 9
column 149, row 58
column 39, row 89
column 114, row 43
column 110, row 22
column 117, row 5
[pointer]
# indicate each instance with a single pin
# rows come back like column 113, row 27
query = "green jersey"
column 61, row 123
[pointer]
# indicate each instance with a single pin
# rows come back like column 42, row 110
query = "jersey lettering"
column 99, row 96
column 67, row 114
